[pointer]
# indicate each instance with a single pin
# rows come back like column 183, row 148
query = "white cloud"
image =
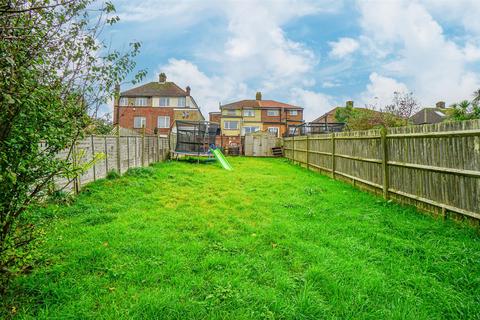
column 207, row 91
column 315, row 104
column 343, row 47
column 433, row 66
column 379, row 92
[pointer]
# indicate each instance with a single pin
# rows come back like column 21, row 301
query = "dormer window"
column 141, row 102
column 272, row 113
column 164, row 102
column 293, row 112
column 231, row 112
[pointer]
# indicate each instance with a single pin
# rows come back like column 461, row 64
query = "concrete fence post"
column 119, row 162
column 93, row 156
column 143, row 147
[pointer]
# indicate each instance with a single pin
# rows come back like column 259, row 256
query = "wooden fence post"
column 308, row 153
column 383, row 133
column 333, row 155
column 143, row 147
column 119, row 163
column 293, row 150
column 76, row 189
column 93, row 156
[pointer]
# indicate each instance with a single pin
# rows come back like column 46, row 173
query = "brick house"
column 155, row 106
column 247, row 116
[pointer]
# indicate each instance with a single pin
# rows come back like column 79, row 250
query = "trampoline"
column 194, row 138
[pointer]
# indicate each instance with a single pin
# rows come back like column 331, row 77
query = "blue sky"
column 316, row 54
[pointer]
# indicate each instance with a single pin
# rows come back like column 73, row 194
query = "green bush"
column 112, row 175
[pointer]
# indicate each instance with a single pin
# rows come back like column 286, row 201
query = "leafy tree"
column 464, row 110
column 55, row 71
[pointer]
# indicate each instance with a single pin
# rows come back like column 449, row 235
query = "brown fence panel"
column 434, row 167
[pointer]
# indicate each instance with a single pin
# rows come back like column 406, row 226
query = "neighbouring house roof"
column 429, row 115
column 330, row 115
column 259, row 104
column 165, row 89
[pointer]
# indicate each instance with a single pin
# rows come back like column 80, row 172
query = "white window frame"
column 255, row 129
column 141, row 101
column 249, row 113
column 277, row 130
column 227, row 125
column 184, row 104
column 123, row 102
column 166, row 101
column 231, row 112
column 291, row 130
column 143, row 122
column 165, row 124
column 276, row 113
column 293, row 112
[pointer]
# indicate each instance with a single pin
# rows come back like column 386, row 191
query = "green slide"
column 221, row 158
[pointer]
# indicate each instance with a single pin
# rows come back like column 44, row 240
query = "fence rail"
column 434, row 167
column 121, row 153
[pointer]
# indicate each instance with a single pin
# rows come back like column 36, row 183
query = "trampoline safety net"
column 195, row 137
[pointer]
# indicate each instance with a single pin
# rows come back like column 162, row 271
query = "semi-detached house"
column 155, row 106
column 247, row 116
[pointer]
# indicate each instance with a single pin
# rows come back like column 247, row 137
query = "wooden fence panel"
column 435, row 167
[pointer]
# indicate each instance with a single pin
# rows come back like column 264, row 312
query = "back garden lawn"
column 268, row 240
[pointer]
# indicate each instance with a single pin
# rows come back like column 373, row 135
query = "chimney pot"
column 349, row 104
column 188, row 90
column 258, row 96
column 440, row 104
column 162, row 78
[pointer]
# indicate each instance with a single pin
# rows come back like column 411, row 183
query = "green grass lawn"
column 269, row 240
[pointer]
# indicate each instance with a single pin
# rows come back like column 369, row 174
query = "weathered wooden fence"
column 120, row 154
column 434, row 167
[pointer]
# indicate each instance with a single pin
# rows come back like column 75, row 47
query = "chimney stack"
column 258, row 96
column 162, row 78
column 188, row 90
column 349, row 104
column 440, row 104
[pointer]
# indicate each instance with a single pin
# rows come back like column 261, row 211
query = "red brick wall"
column 267, row 118
column 229, row 142
column 214, row 117
column 127, row 115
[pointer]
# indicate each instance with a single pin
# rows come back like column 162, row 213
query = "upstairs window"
column 248, row 113
column 293, row 112
column 141, row 102
column 231, row 112
column 272, row 113
column 230, row 125
column 123, row 102
column 181, row 101
column 139, row 122
column 164, row 102
column 163, row 122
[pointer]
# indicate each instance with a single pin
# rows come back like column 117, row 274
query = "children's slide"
column 221, row 158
